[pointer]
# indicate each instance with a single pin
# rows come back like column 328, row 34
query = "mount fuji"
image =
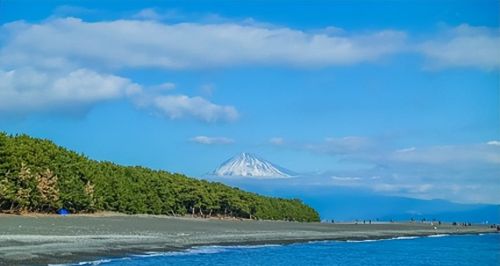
column 249, row 165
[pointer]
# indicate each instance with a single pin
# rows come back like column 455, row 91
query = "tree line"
column 38, row 176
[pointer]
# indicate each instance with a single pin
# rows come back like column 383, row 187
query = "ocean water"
column 438, row 250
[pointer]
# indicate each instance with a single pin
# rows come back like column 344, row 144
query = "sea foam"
column 191, row 251
column 438, row 235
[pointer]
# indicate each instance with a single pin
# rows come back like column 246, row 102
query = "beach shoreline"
column 49, row 239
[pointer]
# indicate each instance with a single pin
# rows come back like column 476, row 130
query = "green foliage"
column 39, row 176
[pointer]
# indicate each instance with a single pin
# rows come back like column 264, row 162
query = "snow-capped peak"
column 249, row 165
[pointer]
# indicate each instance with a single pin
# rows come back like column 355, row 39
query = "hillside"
column 38, row 176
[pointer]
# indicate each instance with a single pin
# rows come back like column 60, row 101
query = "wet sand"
column 42, row 240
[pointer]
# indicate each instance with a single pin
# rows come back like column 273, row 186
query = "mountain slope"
column 38, row 176
column 249, row 165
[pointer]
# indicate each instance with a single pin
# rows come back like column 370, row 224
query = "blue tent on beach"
column 63, row 212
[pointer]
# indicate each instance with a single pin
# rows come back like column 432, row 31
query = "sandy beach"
column 41, row 240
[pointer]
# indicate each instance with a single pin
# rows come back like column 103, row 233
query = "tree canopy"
column 38, row 176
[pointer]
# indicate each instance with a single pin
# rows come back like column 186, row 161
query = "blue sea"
column 438, row 250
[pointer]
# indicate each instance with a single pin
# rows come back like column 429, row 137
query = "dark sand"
column 40, row 240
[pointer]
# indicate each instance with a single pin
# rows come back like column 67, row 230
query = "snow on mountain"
column 249, row 165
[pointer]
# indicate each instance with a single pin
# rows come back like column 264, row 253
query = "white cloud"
column 155, row 14
column 470, row 184
column 494, row 142
column 137, row 43
column 167, row 86
column 211, row 140
column 27, row 90
column 412, row 189
column 68, row 10
column 63, row 62
column 464, row 46
column 462, row 173
column 182, row 106
column 148, row 14
column 345, row 178
column 207, row 89
column 30, row 90
column 463, row 154
column 277, row 141
column 344, row 145
column 371, row 150
column 410, row 149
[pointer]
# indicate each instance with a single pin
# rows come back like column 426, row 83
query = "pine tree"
column 7, row 194
column 48, row 191
column 24, row 194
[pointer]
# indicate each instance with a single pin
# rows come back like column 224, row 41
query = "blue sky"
column 396, row 97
